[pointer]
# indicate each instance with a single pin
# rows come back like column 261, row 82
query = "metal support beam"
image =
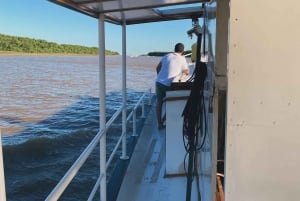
column 222, row 20
column 124, row 115
column 102, row 106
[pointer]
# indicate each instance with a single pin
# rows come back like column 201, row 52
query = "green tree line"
column 28, row 45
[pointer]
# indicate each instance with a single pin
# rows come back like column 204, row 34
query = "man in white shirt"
column 170, row 67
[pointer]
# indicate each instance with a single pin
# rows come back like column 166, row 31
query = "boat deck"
column 145, row 176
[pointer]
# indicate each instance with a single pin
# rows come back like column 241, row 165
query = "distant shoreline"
column 10, row 53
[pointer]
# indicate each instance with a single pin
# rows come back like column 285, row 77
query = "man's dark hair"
column 179, row 47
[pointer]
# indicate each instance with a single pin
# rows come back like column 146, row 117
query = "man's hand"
column 186, row 71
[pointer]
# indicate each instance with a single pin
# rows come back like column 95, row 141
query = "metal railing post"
column 2, row 178
column 150, row 96
column 134, row 124
column 143, row 108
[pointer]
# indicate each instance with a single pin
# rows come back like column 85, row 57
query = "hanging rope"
column 194, row 117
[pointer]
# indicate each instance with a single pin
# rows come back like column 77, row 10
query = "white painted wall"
column 263, row 106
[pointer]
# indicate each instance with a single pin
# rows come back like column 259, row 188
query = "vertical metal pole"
column 221, row 66
column 150, row 97
column 215, row 142
column 102, row 106
column 143, row 108
column 134, row 124
column 2, row 178
column 124, row 121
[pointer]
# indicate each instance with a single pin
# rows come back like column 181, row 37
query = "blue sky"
column 41, row 19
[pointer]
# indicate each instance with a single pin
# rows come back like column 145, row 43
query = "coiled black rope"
column 193, row 121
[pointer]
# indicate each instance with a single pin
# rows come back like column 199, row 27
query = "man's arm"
column 186, row 69
column 158, row 67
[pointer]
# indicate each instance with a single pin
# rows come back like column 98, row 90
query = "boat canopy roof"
column 137, row 11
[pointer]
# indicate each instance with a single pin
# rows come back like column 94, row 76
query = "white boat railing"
column 71, row 173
